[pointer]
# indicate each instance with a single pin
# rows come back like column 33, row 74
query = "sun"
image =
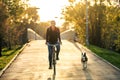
column 50, row 9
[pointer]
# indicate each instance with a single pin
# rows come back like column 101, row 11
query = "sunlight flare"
column 50, row 9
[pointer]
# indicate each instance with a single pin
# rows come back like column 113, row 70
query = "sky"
column 50, row 9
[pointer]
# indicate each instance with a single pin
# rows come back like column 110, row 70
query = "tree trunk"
column 1, row 37
column 0, row 46
column 0, row 51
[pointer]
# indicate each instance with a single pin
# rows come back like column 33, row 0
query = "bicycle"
column 53, row 57
column 84, row 60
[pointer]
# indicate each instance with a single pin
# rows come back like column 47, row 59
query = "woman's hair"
column 52, row 22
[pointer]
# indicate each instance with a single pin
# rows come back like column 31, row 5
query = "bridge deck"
column 32, row 64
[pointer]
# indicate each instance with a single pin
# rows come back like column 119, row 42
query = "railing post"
column 87, row 36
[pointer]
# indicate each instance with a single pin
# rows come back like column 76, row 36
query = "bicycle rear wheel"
column 54, row 66
column 54, row 69
column 54, row 62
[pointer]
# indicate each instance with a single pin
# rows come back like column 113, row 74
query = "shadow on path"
column 53, row 77
column 49, row 79
column 76, row 46
column 88, row 75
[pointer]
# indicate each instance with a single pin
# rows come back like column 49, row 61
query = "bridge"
column 32, row 62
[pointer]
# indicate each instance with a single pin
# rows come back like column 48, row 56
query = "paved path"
column 32, row 64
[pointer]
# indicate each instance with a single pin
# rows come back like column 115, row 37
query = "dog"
column 84, row 60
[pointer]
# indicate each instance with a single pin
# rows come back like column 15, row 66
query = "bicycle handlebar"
column 52, row 44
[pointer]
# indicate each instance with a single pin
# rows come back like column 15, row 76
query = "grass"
column 110, row 56
column 7, row 55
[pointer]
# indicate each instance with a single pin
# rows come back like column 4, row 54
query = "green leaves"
column 104, row 23
column 75, row 15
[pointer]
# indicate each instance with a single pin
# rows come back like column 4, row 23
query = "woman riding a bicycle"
column 53, row 37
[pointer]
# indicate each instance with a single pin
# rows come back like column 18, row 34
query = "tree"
column 104, row 23
column 65, row 26
column 110, row 32
column 3, row 17
column 13, row 11
column 29, row 20
column 10, row 11
column 42, row 28
column 75, row 15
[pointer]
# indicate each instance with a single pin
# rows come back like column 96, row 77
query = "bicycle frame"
column 53, row 57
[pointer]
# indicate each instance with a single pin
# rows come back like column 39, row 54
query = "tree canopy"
column 103, row 22
column 15, row 17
